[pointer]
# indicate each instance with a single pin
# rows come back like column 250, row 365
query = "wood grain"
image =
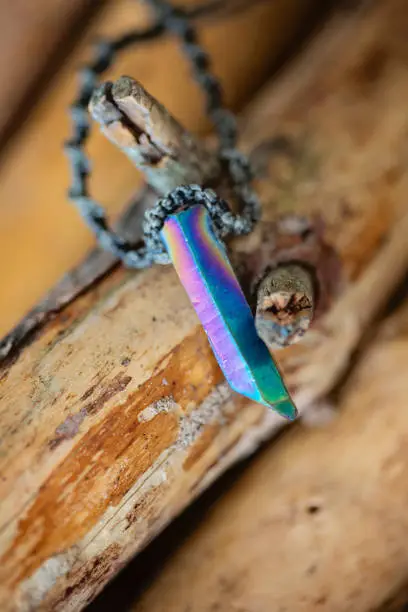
column 318, row 521
column 114, row 416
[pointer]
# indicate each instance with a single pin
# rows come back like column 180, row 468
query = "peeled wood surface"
column 318, row 521
column 116, row 414
column 41, row 236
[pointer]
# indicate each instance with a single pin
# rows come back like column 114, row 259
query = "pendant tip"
column 286, row 409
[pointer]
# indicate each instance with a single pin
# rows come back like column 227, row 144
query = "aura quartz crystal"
column 205, row 271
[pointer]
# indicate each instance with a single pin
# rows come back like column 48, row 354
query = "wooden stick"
column 328, row 349
column 153, row 140
column 285, row 305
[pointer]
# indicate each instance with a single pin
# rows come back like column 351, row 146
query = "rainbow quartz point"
column 202, row 264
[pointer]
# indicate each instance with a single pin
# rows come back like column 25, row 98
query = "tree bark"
column 114, row 413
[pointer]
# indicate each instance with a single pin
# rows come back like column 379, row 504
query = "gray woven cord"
column 178, row 22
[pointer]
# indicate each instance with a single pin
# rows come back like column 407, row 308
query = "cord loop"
column 226, row 222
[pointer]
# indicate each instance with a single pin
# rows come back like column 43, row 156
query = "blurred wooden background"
column 318, row 520
column 41, row 43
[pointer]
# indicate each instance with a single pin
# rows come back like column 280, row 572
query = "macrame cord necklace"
column 187, row 227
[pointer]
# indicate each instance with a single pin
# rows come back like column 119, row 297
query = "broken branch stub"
column 166, row 153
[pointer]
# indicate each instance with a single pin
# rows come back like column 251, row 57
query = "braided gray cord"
column 178, row 22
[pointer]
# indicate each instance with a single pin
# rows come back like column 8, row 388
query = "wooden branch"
column 114, row 414
column 285, row 305
column 153, row 140
column 318, row 520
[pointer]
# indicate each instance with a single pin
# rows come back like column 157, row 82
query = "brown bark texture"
column 114, row 414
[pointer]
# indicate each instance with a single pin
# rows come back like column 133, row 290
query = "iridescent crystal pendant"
column 202, row 264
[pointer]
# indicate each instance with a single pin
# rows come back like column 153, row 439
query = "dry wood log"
column 114, row 414
column 318, row 521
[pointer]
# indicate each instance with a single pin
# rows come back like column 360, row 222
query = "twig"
column 285, row 305
column 329, row 347
column 152, row 139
